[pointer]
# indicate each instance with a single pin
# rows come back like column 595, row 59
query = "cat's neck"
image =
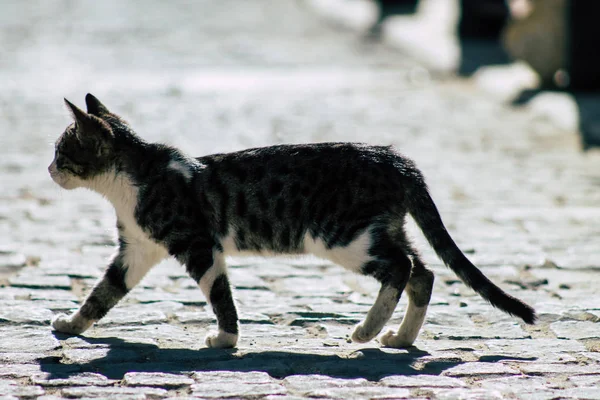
column 118, row 184
column 118, row 188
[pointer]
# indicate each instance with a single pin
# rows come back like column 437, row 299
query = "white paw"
column 66, row 324
column 361, row 335
column 221, row 340
column 390, row 339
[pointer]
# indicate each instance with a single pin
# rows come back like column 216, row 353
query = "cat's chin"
column 65, row 183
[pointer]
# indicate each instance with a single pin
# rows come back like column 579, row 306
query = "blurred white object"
column 430, row 35
column 354, row 14
column 560, row 108
column 506, row 81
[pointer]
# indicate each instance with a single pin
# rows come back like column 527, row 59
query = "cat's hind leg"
column 127, row 268
column 419, row 288
column 392, row 268
column 207, row 267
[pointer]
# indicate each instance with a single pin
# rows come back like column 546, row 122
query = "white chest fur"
column 140, row 252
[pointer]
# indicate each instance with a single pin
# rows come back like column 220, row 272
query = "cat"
column 344, row 202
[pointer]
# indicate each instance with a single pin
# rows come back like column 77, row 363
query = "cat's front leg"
column 208, row 268
column 128, row 267
column 107, row 292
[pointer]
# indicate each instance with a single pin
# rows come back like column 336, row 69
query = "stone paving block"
column 18, row 371
column 422, row 381
column 477, row 369
column 23, row 339
column 128, row 335
column 156, row 379
column 70, row 269
column 242, row 279
column 102, row 355
column 558, row 369
column 132, row 316
column 445, row 317
column 478, row 331
column 521, row 386
column 467, row 394
column 233, row 376
column 78, row 379
column 304, row 383
column 114, row 392
column 360, row 392
column 24, row 314
column 318, row 287
column 576, row 329
column 35, row 281
column 587, row 393
column 13, row 388
column 236, row 389
column 586, row 380
column 20, row 358
column 540, row 350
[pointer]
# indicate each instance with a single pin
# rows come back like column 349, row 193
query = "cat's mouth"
column 58, row 177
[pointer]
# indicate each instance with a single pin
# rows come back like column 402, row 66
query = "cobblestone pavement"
column 515, row 191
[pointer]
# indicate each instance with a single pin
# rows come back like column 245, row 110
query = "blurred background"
column 495, row 101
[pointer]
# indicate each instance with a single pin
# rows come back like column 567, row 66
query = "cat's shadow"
column 119, row 356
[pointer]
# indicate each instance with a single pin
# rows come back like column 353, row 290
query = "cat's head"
column 86, row 149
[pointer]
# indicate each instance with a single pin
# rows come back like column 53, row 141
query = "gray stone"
column 133, row 316
column 79, row 379
column 195, row 317
column 113, row 392
column 467, row 394
column 475, row 369
column 497, row 331
column 587, row 393
column 576, row 329
column 360, row 392
column 558, row 369
column 585, row 380
column 231, row 376
column 156, row 379
column 21, row 339
column 13, row 388
column 24, row 314
column 104, row 355
column 18, row 371
column 20, row 358
column 72, row 270
column 539, row 350
column 422, row 381
column 242, row 279
column 521, row 386
column 11, row 260
column 306, row 383
column 188, row 297
column 236, row 389
column 42, row 282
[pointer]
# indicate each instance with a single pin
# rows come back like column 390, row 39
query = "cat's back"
column 306, row 158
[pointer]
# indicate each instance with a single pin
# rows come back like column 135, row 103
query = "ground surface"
column 515, row 192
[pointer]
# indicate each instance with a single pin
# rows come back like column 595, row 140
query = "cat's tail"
column 423, row 210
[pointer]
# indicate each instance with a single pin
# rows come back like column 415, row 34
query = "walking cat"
column 340, row 201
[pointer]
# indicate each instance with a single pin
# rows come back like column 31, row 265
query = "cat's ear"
column 94, row 106
column 87, row 126
column 81, row 117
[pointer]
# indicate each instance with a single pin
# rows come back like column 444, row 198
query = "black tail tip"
column 530, row 317
column 523, row 311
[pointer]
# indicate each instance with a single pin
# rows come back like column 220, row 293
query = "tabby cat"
column 340, row 201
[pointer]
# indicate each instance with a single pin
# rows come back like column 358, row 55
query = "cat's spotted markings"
column 340, row 201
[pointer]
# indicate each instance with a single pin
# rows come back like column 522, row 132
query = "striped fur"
column 340, row 201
